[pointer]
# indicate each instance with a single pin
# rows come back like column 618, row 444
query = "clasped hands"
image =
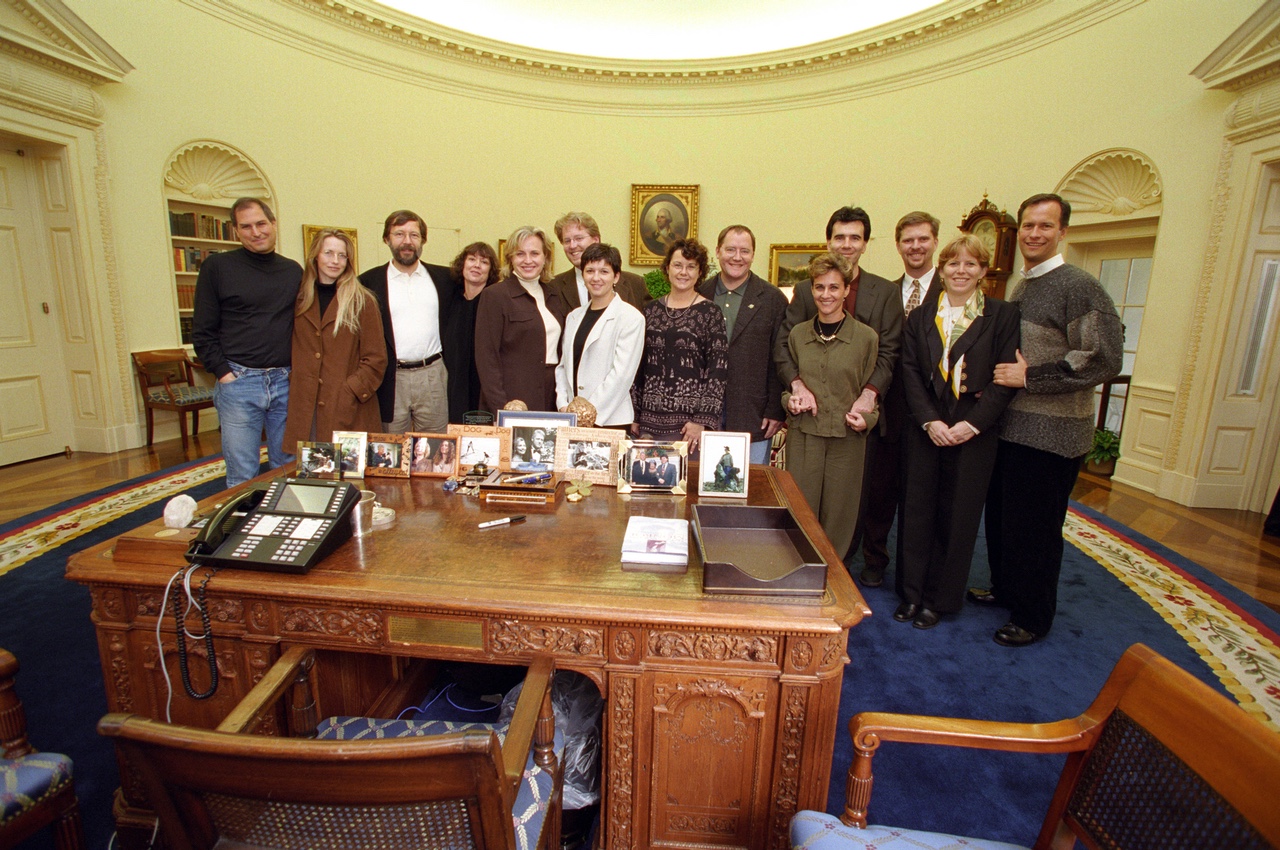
column 803, row 401
column 952, row 436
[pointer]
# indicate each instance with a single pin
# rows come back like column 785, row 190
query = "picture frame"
column 352, row 445
column 318, row 460
column 489, row 443
column 387, row 456
column 789, row 261
column 723, row 471
column 432, row 455
column 533, row 436
column 640, row 466
column 650, row 236
column 588, row 454
column 309, row 232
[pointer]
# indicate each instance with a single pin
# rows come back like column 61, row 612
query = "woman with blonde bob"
column 950, row 348
column 339, row 353
column 518, row 325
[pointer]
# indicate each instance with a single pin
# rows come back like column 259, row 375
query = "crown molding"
column 1249, row 55
column 944, row 41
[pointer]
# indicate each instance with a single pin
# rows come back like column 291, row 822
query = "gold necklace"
column 817, row 329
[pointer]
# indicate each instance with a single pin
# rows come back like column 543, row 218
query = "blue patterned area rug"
column 1117, row 588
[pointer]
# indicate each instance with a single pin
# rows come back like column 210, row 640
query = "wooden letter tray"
column 543, row 497
column 755, row 550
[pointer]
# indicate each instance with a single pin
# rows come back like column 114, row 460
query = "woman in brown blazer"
column 518, row 327
column 339, row 353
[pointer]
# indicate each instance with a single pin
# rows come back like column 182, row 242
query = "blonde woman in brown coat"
column 339, row 353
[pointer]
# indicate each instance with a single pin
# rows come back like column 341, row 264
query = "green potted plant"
column 657, row 284
column 1101, row 459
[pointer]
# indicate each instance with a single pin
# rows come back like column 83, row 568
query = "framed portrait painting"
column 533, row 436
column 387, row 455
column 659, row 216
column 789, row 261
column 653, row 466
column 588, row 454
column 310, row 231
column 433, row 455
column 725, row 465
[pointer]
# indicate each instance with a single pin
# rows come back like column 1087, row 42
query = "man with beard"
column 416, row 300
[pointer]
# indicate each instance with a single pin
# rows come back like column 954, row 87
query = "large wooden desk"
column 720, row 712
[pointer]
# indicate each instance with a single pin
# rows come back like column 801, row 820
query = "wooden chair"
column 36, row 789
column 226, row 788
column 167, row 382
column 1159, row 760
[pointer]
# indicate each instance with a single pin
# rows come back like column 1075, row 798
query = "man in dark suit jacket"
column 872, row 300
column 753, row 310
column 414, row 392
column 916, row 236
column 576, row 232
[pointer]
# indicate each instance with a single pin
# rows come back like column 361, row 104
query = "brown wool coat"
column 334, row 378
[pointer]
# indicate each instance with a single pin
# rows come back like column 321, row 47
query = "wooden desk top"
column 557, row 564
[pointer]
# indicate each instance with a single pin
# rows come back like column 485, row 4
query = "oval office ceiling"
column 661, row 29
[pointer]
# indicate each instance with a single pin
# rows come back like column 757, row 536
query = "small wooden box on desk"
column 720, row 714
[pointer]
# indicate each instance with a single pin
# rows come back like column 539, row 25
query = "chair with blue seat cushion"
column 36, row 789
column 166, row 379
column 1159, row 760
column 360, row 783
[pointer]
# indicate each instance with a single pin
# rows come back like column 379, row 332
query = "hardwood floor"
column 1228, row 543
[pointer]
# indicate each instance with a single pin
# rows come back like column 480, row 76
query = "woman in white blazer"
column 602, row 343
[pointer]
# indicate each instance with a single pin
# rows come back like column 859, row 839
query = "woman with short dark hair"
column 474, row 269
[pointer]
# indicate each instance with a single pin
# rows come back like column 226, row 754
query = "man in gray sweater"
column 1072, row 341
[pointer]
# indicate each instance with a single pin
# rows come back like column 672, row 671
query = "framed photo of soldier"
column 725, row 464
column 659, row 216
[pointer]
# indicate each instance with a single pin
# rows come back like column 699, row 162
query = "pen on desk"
column 504, row 521
column 531, row 478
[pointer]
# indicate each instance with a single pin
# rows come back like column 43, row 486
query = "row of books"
column 184, row 327
column 186, row 296
column 189, row 259
column 201, row 226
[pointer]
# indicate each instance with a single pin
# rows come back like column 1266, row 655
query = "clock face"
column 985, row 230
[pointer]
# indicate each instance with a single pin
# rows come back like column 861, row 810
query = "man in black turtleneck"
column 242, row 330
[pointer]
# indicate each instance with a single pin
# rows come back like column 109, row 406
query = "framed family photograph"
column 789, row 261
column 659, row 216
column 588, row 454
column 351, row 448
column 652, row 466
column 533, row 436
column 725, row 464
column 487, row 444
column 433, row 455
column 319, row 460
column 309, row 232
column 387, row 455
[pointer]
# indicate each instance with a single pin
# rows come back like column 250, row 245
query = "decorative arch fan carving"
column 1116, row 182
column 206, row 171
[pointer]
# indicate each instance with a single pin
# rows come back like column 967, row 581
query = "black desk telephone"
column 291, row 525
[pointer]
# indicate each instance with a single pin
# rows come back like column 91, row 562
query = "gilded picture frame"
column 641, row 466
column 789, row 261
column 660, row 214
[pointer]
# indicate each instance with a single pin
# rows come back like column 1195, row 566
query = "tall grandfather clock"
column 999, row 232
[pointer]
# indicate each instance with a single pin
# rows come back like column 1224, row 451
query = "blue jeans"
column 257, row 399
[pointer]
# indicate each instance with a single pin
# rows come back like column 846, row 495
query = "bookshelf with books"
column 195, row 232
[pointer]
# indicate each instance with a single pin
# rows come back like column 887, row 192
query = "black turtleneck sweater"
column 244, row 310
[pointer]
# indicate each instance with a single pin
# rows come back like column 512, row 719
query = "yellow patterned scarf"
column 972, row 309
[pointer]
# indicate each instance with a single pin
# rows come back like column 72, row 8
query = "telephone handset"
column 222, row 522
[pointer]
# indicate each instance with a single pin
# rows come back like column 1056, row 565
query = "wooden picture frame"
column 309, row 232
column 650, row 234
column 432, row 455
column 533, row 436
column 352, row 445
column 650, row 478
column 319, row 460
column 789, row 261
column 720, row 477
column 589, row 454
column 387, row 456
column 489, row 443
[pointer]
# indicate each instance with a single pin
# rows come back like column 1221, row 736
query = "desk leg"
column 619, row 791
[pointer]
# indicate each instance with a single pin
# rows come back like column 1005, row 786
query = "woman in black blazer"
column 951, row 346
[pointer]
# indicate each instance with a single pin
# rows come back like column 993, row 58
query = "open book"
column 656, row 542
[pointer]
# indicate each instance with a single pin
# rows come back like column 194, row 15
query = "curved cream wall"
column 344, row 146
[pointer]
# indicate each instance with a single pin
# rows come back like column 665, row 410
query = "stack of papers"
column 656, row 543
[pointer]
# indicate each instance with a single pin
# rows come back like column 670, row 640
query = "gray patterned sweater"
column 1073, row 341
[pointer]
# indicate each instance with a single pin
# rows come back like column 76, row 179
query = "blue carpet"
column 957, row 670
column 44, row 621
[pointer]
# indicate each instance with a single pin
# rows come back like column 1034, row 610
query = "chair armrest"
column 533, row 723
column 870, row 728
column 292, row 669
column 13, row 720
